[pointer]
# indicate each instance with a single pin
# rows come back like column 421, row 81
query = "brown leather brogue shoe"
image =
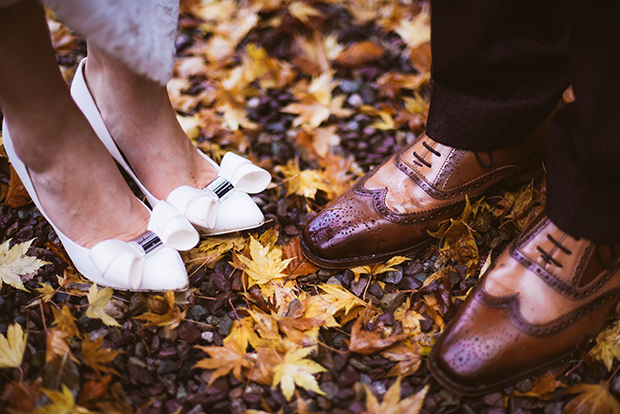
column 544, row 296
column 390, row 209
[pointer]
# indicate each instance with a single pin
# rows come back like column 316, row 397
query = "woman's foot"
column 144, row 126
column 76, row 181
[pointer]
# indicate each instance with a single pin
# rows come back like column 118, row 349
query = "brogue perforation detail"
column 511, row 303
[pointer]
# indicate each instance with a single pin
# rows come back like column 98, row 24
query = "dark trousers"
column 500, row 68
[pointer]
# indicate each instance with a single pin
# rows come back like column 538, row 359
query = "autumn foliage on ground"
column 317, row 92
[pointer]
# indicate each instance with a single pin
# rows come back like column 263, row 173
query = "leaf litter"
column 317, row 92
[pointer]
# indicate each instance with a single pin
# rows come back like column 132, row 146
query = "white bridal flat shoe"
column 149, row 263
column 223, row 206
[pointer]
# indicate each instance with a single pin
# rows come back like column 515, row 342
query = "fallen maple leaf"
column 299, row 265
column 62, row 402
column 224, row 359
column 335, row 299
column 14, row 263
column 242, row 333
column 46, row 291
column 379, row 268
column 297, row 370
column 97, row 301
column 607, row 347
column 316, row 103
column 407, row 354
column 213, row 249
column 415, row 31
column 303, row 183
column 592, row 398
column 359, row 54
column 392, row 404
column 265, row 263
column 95, row 356
column 369, row 342
column 16, row 194
column 12, row 347
column 170, row 319
column 22, row 397
column 302, row 11
column 543, row 387
column 64, row 320
column 57, row 345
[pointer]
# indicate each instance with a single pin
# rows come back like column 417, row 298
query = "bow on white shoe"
column 123, row 263
column 237, row 176
column 222, row 207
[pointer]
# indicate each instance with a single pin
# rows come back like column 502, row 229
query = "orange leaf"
column 592, row 398
column 16, row 196
column 299, row 265
column 369, row 342
column 359, row 54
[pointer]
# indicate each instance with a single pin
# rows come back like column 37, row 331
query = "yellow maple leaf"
column 543, row 387
column 297, row 370
column 64, row 320
column 57, row 345
column 416, row 105
column 302, row 11
column 12, row 347
column 265, row 265
column 242, row 333
column 336, row 299
column 270, row 72
column 324, row 138
column 415, row 31
column 212, row 249
column 303, row 183
column 316, row 103
column 14, row 263
column 379, row 268
column 392, row 404
column 62, row 402
column 592, row 398
column 95, row 356
column 170, row 319
column 46, row 291
column 224, row 359
column 607, row 346
column 407, row 354
column 97, row 301
column 385, row 113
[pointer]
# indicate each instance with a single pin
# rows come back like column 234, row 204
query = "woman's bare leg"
column 140, row 117
column 76, row 180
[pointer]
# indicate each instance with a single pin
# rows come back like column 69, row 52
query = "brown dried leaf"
column 17, row 195
column 543, row 387
column 369, row 342
column 407, row 354
column 392, row 404
column 95, row 356
column 592, row 398
column 224, row 359
column 171, row 319
column 359, row 54
column 299, row 265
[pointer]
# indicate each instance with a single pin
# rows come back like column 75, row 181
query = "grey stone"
column 225, row 325
column 391, row 301
column 333, row 281
column 166, row 367
column 330, row 389
column 197, row 312
column 393, row 276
